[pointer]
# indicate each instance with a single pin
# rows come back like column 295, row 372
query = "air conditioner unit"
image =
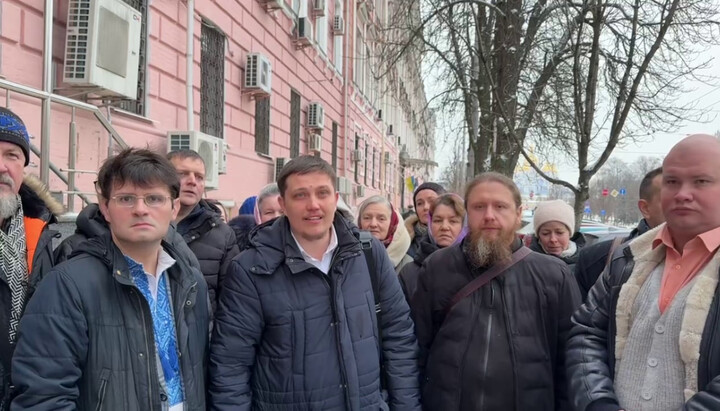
column 357, row 156
column 390, row 130
column 304, row 32
column 388, row 157
column 279, row 164
column 319, row 7
column 314, row 143
column 344, row 186
column 222, row 158
column 207, row 146
column 258, row 74
column 102, row 47
column 338, row 25
column 315, row 116
column 271, row 4
column 360, row 191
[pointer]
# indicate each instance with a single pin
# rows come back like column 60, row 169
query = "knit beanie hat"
column 13, row 130
column 554, row 210
column 428, row 186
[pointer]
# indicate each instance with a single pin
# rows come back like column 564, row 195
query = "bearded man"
column 491, row 317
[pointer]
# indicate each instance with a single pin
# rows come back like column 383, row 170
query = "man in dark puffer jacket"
column 296, row 326
column 210, row 239
column 90, row 223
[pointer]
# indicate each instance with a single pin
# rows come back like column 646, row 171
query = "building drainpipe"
column 346, row 74
column 190, row 62
column 46, row 102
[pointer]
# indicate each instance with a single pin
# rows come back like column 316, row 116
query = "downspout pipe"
column 346, row 76
column 190, row 64
column 46, row 101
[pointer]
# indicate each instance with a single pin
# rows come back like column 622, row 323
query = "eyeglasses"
column 150, row 200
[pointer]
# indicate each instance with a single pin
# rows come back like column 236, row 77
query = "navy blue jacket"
column 288, row 336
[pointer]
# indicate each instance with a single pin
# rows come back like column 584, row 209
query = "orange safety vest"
column 33, row 228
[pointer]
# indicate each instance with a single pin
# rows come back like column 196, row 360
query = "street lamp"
column 403, row 157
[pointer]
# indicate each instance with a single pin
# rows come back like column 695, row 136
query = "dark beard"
column 484, row 253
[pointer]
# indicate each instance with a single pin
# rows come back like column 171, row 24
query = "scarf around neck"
column 13, row 263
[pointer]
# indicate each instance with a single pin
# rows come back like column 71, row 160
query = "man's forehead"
column 129, row 187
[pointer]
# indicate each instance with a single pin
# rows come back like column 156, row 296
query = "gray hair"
column 269, row 190
column 374, row 200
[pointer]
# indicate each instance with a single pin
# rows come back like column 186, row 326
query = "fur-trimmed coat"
column 416, row 237
column 602, row 326
column 41, row 209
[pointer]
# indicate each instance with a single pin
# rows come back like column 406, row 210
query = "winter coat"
column 242, row 225
column 398, row 247
column 40, row 210
column 288, row 336
column 578, row 238
column 90, row 223
column 592, row 259
column 87, row 340
column 502, row 347
column 213, row 243
column 410, row 273
column 603, row 321
column 417, row 236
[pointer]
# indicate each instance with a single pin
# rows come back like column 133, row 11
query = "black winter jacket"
column 87, row 341
column 36, row 203
column 501, row 348
column 213, row 243
column 242, row 225
column 90, row 223
column 409, row 274
column 592, row 259
column 591, row 346
column 578, row 238
column 289, row 337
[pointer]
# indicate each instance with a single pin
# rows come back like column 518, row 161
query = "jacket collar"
column 37, row 201
column 203, row 218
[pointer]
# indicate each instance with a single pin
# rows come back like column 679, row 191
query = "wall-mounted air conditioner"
column 344, row 186
column 314, row 143
column 319, row 7
column 207, row 146
column 338, row 25
column 304, row 33
column 388, row 157
column 357, row 156
column 271, row 4
column 315, row 116
column 360, row 191
column 102, row 47
column 258, row 74
column 279, row 164
column 222, row 158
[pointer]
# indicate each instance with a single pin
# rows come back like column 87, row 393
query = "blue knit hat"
column 248, row 206
column 13, row 130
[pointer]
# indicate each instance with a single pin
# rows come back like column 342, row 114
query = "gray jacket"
column 87, row 341
column 288, row 336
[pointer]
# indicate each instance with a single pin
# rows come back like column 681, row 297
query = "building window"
column 321, row 31
column 262, row 126
column 365, row 175
column 334, row 145
column 357, row 163
column 294, row 124
column 212, row 81
column 137, row 106
column 359, row 76
column 338, row 41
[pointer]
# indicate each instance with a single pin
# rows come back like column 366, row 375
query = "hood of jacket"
column 578, row 238
column 410, row 225
column 90, row 222
column 37, row 201
column 271, row 244
column 400, row 243
column 200, row 220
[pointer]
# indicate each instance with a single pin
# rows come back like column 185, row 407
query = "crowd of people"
column 156, row 303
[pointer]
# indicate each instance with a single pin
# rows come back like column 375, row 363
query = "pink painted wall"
column 248, row 28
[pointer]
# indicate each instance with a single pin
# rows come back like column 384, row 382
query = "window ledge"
column 132, row 115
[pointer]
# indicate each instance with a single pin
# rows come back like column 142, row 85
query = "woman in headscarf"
column 554, row 223
column 378, row 216
column 416, row 225
column 265, row 208
column 447, row 225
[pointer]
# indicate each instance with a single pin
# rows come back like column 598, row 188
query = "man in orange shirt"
column 648, row 337
column 26, row 210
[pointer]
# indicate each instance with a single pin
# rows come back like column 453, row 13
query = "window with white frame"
column 338, row 41
column 321, row 31
column 359, row 77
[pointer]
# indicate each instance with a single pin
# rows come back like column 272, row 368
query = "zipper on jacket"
column 508, row 334
column 101, row 394
column 147, row 348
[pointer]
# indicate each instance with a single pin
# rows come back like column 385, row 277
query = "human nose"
column 140, row 207
column 313, row 203
column 684, row 193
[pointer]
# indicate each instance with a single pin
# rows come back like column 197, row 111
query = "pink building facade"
column 316, row 61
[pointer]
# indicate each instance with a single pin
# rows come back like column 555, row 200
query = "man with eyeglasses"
column 123, row 324
column 200, row 223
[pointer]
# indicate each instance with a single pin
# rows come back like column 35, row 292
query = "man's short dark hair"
column 185, row 153
column 493, row 177
column 305, row 165
column 140, row 167
column 647, row 190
